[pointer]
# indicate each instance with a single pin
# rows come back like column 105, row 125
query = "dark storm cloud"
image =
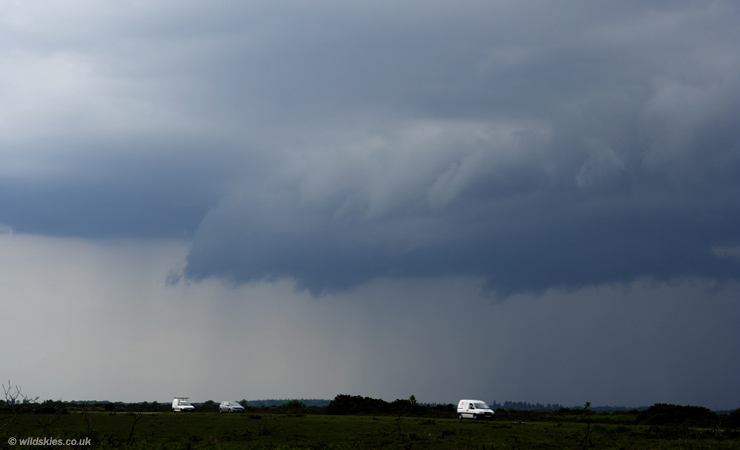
column 535, row 148
column 538, row 145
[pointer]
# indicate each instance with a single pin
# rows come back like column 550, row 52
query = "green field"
column 254, row 429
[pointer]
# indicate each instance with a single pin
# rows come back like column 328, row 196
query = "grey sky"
column 525, row 156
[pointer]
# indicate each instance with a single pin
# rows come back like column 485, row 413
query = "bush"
column 733, row 420
column 357, row 404
column 665, row 414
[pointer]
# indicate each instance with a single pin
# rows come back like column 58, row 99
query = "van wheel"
column 459, row 416
column 475, row 416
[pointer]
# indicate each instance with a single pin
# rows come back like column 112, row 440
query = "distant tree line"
column 525, row 406
column 276, row 402
column 660, row 414
column 64, row 407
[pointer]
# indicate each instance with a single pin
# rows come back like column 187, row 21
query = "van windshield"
column 481, row 405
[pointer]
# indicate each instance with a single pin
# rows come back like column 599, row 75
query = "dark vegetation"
column 358, row 405
column 690, row 416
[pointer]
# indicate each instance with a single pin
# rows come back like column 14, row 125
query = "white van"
column 473, row 409
column 182, row 404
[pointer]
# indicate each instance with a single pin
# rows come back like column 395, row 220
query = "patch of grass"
column 194, row 431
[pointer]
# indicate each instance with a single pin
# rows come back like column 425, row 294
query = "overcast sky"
column 526, row 201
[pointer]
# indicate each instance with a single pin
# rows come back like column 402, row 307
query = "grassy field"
column 202, row 430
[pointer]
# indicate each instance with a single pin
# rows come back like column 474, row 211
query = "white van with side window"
column 182, row 404
column 473, row 409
